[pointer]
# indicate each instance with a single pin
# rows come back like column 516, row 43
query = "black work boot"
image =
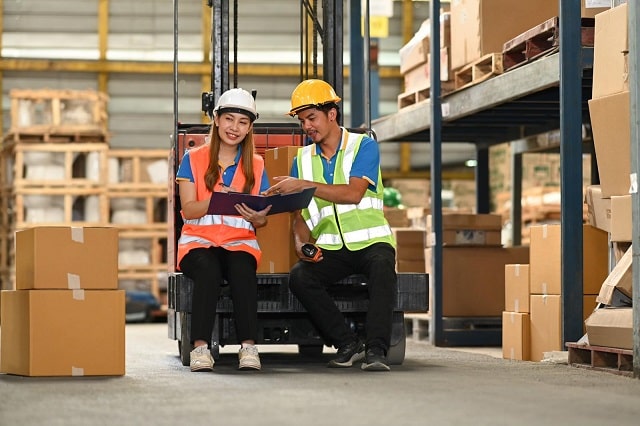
column 375, row 359
column 348, row 354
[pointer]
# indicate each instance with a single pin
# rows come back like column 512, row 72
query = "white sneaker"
column 249, row 358
column 201, row 359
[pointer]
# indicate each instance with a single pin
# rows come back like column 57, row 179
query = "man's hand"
column 286, row 185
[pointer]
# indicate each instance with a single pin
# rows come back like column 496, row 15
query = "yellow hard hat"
column 312, row 93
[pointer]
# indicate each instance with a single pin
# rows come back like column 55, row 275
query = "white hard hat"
column 237, row 100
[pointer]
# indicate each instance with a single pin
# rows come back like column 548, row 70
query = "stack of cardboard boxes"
column 532, row 319
column 609, row 204
column 473, row 262
column 66, row 316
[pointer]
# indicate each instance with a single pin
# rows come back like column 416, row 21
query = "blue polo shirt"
column 365, row 164
column 185, row 172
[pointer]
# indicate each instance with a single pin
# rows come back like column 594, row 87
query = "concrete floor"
column 435, row 386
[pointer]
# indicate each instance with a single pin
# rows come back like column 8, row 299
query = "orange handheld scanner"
column 311, row 251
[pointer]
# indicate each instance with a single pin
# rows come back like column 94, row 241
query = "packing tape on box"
column 544, row 231
column 544, row 290
column 78, row 294
column 77, row 371
column 633, row 178
column 517, row 305
column 73, row 281
column 517, row 270
column 77, row 234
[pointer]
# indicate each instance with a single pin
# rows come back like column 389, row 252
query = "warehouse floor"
column 436, row 386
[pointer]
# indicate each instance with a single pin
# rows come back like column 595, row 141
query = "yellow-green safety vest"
column 332, row 225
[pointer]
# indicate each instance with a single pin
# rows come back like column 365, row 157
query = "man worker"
column 345, row 222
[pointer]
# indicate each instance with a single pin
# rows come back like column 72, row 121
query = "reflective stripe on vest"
column 320, row 215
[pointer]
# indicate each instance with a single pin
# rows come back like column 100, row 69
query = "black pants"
column 208, row 267
column 309, row 282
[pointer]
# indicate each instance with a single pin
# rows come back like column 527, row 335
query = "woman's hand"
column 257, row 218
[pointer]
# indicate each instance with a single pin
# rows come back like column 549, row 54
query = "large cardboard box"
column 611, row 126
column 598, row 208
column 473, row 279
column 63, row 332
column 479, row 27
column 621, row 222
column 61, row 257
column 611, row 328
column 516, row 336
column 276, row 238
column 546, row 320
column 516, row 288
column 415, row 52
column 620, row 278
column 610, row 53
column 545, row 262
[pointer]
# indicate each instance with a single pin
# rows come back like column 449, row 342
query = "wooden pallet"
column 540, row 41
column 138, row 210
column 138, row 169
column 153, row 242
column 412, row 97
column 55, row 165
column 478, row 71
column 50, row 110
column 611, row 360
column 58, row 135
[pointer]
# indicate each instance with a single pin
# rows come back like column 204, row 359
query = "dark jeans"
column 208, row 267
column 309, row 282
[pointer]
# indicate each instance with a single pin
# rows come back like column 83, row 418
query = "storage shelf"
column 519, row 103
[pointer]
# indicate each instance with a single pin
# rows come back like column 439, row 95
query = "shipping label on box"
column 61, row 257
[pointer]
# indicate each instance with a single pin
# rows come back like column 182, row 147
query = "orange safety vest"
column 230, row 232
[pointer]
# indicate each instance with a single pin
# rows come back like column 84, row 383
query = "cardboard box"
column 589, row 304
column 473, row 279
column 417, row 78
column 416, row 51
column 61, row 257
column 611, row 128
column 595, row 258
column 470, row 229
column 610, row 53
column 396, row 217
column 598, row 208
column 276, row 238
column 590, row 8
column 611, row 328
column 479, row 27
column 516, row 336
column 620, row 278
column 545, row 262
column 410, row 244
column 545, row 259
column 63, row 332
column 516, row 288
column 621, row 222
column 546, row 320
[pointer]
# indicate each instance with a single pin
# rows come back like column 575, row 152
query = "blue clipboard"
column 224, row 202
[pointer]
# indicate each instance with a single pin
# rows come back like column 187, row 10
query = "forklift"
column 281, row 318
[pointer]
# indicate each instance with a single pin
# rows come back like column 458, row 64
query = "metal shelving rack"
column 548, row 94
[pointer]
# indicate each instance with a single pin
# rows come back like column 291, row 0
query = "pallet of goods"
column 478, row 71
column 48, row 115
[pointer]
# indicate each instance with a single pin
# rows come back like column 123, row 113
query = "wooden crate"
column 139, row 169
column 59, row 207
column 55, row 165
column 142, row 249
column 144, row 280
column 139, row 210
column 53, row 111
